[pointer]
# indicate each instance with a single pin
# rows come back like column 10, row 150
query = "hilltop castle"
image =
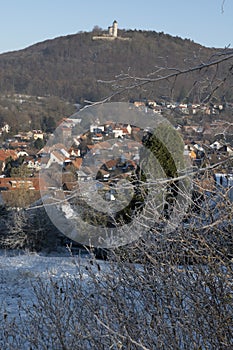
column 112, row 34
column 112, row 31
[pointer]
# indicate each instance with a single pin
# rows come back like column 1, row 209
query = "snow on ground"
column 18, row 270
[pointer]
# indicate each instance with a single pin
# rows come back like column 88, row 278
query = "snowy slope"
column 18, row 271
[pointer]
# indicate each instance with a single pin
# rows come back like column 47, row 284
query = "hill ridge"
column 69, row 66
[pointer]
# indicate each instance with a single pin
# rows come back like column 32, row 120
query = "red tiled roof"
column 4, row 154
column 102, row 145
column 125, row 130
column 90, row 146
column 111, row 163
column 59, row 156
column 55, row 147
column 77, row 162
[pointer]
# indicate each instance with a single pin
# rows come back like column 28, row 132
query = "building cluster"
column 101, row 146
column 183, row 108
column 101, row 154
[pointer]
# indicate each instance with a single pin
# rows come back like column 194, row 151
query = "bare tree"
column 122, row 305
column 31, row 231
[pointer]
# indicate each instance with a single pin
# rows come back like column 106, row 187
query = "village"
column 100, row 153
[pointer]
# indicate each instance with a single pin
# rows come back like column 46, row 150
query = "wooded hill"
column 69, row 67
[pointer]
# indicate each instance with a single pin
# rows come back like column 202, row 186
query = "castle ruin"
column 111, row 35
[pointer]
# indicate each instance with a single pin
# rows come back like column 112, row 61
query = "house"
column 229, row 150
column 152, row 103
column 33, row 163
column 56, row 157
column 183, row 107
column 223, row 179
column 38, row 134
column 105, row 145
column 83, row 176
column 15, row 183
column 111, row 164
column 18, row 145
column 103, row 175
column 192, row 155
column 69, row 182
column 121, row 131
column 96, row 128
column 219, row 146
column 139, row 103
column 158, row 109
column 97, row 137
column 70, row 122
column 118, row 133
column 77, row 163
column 74, row 152
column 129, row 129
column 22, row 154
column 48, row 149
column 6, row 128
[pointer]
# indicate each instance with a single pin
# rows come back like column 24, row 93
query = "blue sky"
column 26, row 22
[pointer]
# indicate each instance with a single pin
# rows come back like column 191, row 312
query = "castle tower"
column 110, row 31
column 115, row 28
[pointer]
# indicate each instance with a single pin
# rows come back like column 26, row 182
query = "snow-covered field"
column 18, row 270
column 19, row 306
column 110, row 305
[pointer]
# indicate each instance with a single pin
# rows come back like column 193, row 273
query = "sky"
column 26, row 22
